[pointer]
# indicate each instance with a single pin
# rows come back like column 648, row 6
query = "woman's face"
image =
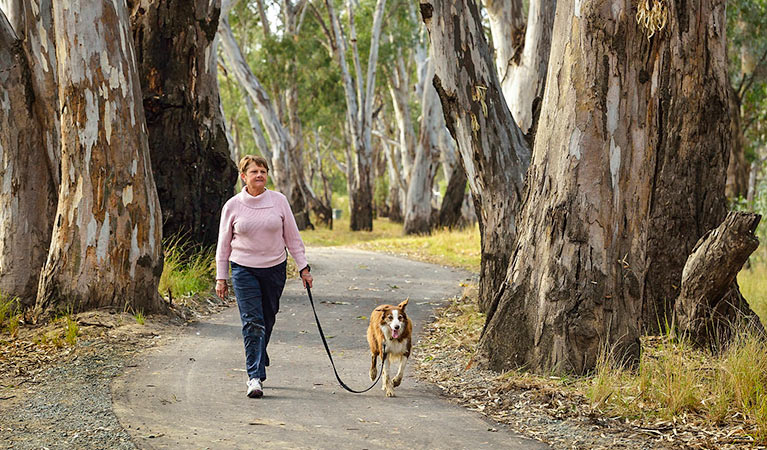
column 255, row 178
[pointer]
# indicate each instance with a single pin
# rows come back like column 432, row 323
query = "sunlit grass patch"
column 71, row 330
column 186, row 271
column 459, row 248
column 341, row 235
column 753, row 286
column 456, row 248
column 10, row 314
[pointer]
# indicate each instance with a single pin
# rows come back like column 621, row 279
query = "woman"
column 256, row 227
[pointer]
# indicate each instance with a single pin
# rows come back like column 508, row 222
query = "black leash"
column 327, row 349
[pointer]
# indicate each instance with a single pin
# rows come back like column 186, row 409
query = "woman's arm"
column 224, row 245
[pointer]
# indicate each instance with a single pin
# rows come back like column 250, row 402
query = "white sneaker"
column 254, row 388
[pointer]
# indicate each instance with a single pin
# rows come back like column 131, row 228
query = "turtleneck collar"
column 263, row 200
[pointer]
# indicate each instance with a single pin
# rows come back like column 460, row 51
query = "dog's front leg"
column 400, row 371
column 387, row 384
column 373, row 369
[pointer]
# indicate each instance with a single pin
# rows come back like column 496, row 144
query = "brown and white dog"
column 389, row 328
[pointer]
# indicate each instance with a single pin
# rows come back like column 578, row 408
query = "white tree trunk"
column 27, row 193
column 359, row 107
column 522, row 54
column 278, row 137
column 256, row 130
column 419, row 194
column 106, row 243
column 507, row 27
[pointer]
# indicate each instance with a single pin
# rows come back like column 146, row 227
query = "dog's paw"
column 390, row 393
column 373, row 374
column 397, row 381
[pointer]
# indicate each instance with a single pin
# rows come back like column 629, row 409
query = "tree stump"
column 710, row 308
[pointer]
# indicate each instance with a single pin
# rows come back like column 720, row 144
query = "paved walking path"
column 190, row 393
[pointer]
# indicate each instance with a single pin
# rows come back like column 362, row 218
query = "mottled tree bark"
column 627, row 176
column 493, row 150
column 27, row 192
column 106, row 243
column 191, row 161
column 41, row 52
column 710, row 309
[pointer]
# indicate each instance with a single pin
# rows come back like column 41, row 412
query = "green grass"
column 10, row 314
column 140, row 319
column 71, row 330
column 186, row 271
column 753, row 286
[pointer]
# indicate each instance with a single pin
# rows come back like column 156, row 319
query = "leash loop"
column 327, row 349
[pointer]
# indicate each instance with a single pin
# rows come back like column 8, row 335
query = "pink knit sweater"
column 254, row 232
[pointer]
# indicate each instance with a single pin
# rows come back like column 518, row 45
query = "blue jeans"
column 258, row 294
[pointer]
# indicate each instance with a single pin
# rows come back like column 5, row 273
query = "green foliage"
column 187, row 270
column 747, row 52
column 139, row 316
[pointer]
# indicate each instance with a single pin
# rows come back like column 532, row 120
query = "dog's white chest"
column 396, row 347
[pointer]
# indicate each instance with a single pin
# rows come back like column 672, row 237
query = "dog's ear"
column 403, row 304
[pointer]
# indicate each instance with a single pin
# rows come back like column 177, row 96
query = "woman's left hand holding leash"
column 306, row 277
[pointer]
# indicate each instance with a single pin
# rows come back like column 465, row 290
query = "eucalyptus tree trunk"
column 493, row 150
column 614, row 202
column 191, row 161
column 27, row 192
column 106, row 243
column 41, row 53
column 300, row 191
column 418, row 215
column 278, row 136
column 359, row 109
column 399, row 89
column 450, row 211
column 450, row 215
column 522, row 55
column 256, row 130
column 396, row 185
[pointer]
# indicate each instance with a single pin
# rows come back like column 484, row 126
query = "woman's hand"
column 222, row 289
column 306, row 277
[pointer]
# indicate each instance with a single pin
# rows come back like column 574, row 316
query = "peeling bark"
column 27, row 192
column 106, row 243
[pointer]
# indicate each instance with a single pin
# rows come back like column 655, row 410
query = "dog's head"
column 394, row 321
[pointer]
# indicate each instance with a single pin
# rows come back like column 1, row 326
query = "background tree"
column 192, row 167
column 522, row 54
column 747, row 53
column 493, row 150
column 106, row 243
column 358, row 90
